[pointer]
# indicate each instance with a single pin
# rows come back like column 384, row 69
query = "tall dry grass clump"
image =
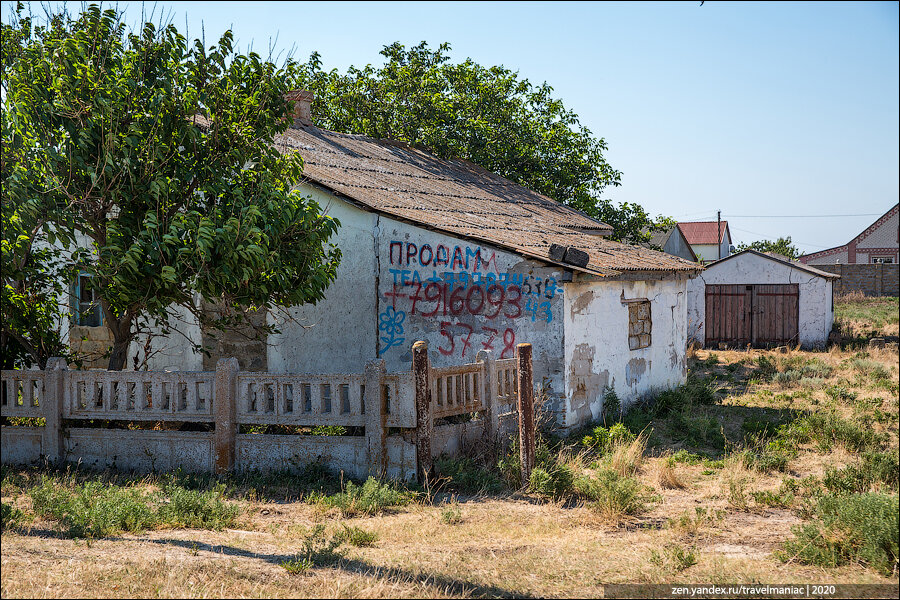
column 626, row 457
column 666, row 476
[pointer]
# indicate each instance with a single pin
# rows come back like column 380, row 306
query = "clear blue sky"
column 750, row 108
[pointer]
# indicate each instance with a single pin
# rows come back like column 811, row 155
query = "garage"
column 757, row 299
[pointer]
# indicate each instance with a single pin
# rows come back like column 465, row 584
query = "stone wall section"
column 870, row 279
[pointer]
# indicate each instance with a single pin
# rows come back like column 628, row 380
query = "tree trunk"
column 122, row 334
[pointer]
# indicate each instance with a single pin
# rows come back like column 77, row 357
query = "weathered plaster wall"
column 462, row 297
column 677, row 246
column 815, row 307
column 597, row 348
column 337, row 335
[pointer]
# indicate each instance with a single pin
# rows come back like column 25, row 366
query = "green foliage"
column 876, row 469
column 552, row 481
column 328, row 430
column 468, row 477
column 782, row 246
column 849, row 529
column 615, row 495
column 612, row 406
column 370, row 498
column 696, row 430
column 487, row 115
column 451, row 514
column 318, row 550
column 602, row 439
column 674, row 557
column 160, row 153
column 12, row 517
column 356, row 536
column 98, row 509
column 695, row 391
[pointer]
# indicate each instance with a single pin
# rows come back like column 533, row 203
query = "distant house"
column 709, row 240
column 671, row 241
column 760, row 299
column 878, row 243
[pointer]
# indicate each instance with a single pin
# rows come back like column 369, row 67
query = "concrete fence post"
column 526, row 410
column 489, row 396
column 53, row 442
column 225, row 409
column 376, row 419
column 421, row 369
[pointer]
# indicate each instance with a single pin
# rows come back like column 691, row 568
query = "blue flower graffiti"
column 391, row 323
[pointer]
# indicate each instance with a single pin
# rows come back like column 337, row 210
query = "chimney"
column 302, row 100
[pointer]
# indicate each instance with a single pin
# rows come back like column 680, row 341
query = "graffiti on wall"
column 452, row 285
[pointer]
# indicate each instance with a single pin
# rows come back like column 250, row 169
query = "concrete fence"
column 395, row 423
column 870, row 279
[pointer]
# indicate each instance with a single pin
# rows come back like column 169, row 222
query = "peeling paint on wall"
column 634, row 370
column 585, row 383
column 580, row 304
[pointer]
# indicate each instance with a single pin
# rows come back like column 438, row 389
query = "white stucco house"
column 709, row 240
column 447, row 252
column 753, row 298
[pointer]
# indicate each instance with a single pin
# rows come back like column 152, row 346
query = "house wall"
column 597, row 348
column 678, row 246
column 337, row 335
column 870, row 279
column 459, row 296
column 816, row 309
column 706, row 252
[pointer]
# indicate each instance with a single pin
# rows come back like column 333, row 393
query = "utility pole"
column 719, row 232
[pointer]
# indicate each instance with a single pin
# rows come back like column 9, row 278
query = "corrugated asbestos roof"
column 461, row 199
column 796, row 264
column 703, row 232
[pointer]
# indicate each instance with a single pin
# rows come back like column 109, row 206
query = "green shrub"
column 370, row 498
column 468, row 477
column 697, row 430
column 849, row 529
column 98, row 509
column 451, row 513
column 674, row 557
column 711, row 360
column 870, row 368
column 765, row 367
column 553, row 481
column 839, row 392
column 787, row 378
column 694, row 392
column 612, row 406
column 817, row 369
column 196, row 509
column 875, row 469
column 689, row 458
column 602, row 439
column 356, row 536
column 12, row 517
column 318, row 550
column 94, row 509
column 614, row 495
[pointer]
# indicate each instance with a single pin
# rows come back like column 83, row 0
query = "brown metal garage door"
column 752, row 314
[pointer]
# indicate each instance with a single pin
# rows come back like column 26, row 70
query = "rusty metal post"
column 225, row 407
column 53, row 445
column 424, row 422
column 526, row 410
column 376, row 450
column 488, row 396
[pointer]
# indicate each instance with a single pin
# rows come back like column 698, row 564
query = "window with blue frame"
column 85, row 303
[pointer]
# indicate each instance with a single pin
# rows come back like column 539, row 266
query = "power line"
column 767, row 236
column 799, row 216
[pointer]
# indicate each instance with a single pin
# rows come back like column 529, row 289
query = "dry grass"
column 708, row 527
column 666, row 477
column 625, row 458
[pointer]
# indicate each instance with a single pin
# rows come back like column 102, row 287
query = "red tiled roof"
column 461, row 199
column 703, row 232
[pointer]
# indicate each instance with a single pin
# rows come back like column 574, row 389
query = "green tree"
column 781, row 246
column 152, row 162
column 487, row 115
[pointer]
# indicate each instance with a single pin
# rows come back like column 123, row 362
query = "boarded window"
column 639, row 325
